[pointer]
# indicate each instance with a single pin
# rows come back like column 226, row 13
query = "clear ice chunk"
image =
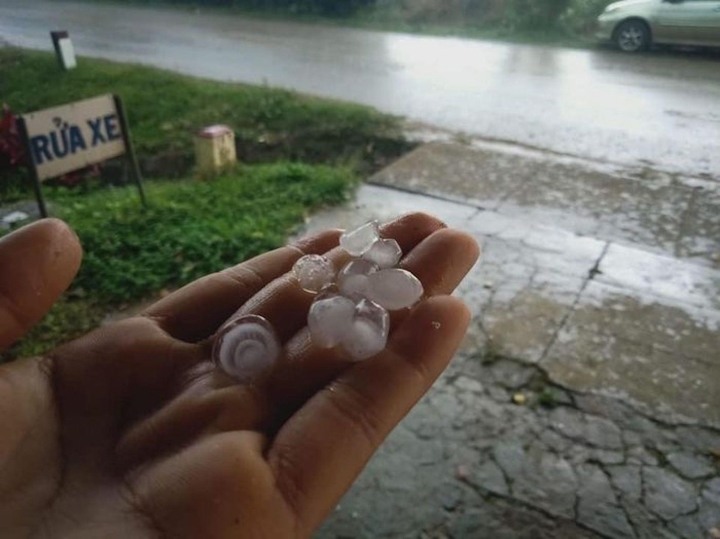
column 313, row 273
column 247, row 348
column 330, row 320
column 329, row 291
column 353, row 278
column 394, row 289
column 357, row 242
column 368, row 332
column 385, row 253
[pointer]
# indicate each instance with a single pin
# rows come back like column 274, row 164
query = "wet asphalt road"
column 660, row 110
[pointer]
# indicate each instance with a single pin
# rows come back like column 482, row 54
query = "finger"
column 126, row 370
column 37, row 263
column 318, row 453
column 285, row 305
column 198, row 411
column 214, row 403
column 219, row 487
column 441, row 261
column 195, row 312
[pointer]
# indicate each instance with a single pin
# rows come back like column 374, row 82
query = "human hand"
column 131, row 431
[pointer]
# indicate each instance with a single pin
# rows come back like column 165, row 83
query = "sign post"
column 70, row 137
column 33, row 171
column 130, row 149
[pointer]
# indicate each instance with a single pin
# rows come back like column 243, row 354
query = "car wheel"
column 632, row 36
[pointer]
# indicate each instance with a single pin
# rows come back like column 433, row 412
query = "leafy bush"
column 580, row 17
column 13, row 178
column 12, row 152
column 534, row 14
column 331, row 8
column 465, row 12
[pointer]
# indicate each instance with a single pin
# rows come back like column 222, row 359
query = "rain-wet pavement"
column 658, row 110
column 585, row 402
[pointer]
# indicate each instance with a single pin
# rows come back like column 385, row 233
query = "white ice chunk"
column 369, row 331
column 314, row 272
column 353, row 278
column 385, row 253
column 357, row 242
column 247, row 348
column 330, row 320
column 394, row 289
column 329, row 291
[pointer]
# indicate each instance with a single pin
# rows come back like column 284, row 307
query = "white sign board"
column 69, row 137
column 67, row 53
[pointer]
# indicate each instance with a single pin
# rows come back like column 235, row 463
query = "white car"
column 633, row 25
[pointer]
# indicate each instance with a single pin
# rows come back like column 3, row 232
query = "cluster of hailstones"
column 350, row 309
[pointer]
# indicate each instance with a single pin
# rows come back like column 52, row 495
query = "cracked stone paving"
column 585, row 401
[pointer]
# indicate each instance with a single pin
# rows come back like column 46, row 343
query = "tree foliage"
column 330, row 8
column 575, row 16
column 530, row 14
column 580, row 16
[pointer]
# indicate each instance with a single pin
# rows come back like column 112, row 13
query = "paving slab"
column 598, row 316
column 661, row 277
column 665, row 213
column 468, row 463
column 613, row 351
column 700, row 239
column 662, row 355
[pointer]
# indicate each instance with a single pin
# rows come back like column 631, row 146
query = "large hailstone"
column 313, row 273
column 353, row 278
column 385, row 253
column 357, row 242
column 369, row 331
column 394, row 289
column 360, row 329
column 246, row 348
column 330, row 320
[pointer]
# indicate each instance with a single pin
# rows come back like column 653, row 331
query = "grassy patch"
column 547, row 398
column 190, row 229
column 166, row 109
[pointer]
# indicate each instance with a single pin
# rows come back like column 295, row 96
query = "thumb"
column 37, row 263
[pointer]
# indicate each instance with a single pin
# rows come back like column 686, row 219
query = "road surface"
column 657, row 110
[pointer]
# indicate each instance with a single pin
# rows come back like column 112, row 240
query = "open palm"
column 130, row 431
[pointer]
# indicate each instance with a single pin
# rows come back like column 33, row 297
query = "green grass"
column 166, row 109
column 191, row 228
column 547, row 398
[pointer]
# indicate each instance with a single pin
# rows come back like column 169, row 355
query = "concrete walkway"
column 585, row 401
